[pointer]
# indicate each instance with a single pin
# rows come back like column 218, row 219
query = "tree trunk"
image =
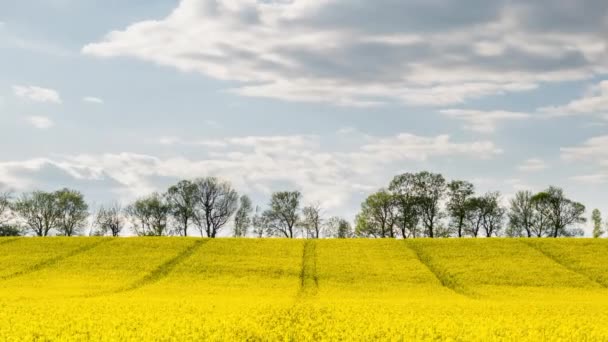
column 460, row 224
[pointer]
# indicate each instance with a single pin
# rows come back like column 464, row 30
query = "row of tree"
column 207, row 205
column 417, row 205
column 414, row 205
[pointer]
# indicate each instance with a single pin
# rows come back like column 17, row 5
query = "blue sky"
column 332, row 97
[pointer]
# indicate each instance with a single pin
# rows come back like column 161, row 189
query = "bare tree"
column 5, row 208
column 522, row 214
column 182, row 198
column 39, row 211
column 73, row 211
column 540, row 224
column 312, row 220
column 476, row 211
column 242, row 218
column 110, row 220
column 282, row 217
column 149, row 215
column 258, row 223
column 217, row 202
column 494, row 214
column 6, row 215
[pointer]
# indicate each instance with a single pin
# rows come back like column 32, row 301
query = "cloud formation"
column 594, row 152
column 37, row 94
column 482, row 121
column 594, row 102
column 258, row 164
column 413, row 52
column 532, row 165
column 40, row 122
column 92, row 99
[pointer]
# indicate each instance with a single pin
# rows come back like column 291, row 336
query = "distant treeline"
column 414, row 205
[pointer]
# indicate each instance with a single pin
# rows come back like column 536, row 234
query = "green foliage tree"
column 377, row 217
column 109, row 220
column 283, row 215
column 406, row 204
column 559, row 211
column 10, row 230
column 242, row 218
column 312, row 220
column 217, row 202
column 596, row 217
column 459, row 193
column 73, row 212
column 149, row 215
column 337, row 227
column 183, row 198
column 345, row 230
column 429, row 189
column 39, row 211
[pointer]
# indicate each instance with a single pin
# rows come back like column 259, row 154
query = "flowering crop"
column 302, row 290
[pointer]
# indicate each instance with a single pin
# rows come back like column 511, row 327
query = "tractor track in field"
column 163, row 270
column 8, row 240
column 444, row 277
column 53, row 261
column 563, row 264
column 309, row 281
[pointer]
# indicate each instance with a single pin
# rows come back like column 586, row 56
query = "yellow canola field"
column 163, row 289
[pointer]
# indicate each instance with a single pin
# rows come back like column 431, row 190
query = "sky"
column 330, row 97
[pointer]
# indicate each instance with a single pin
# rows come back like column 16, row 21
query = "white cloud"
column 253, row 142
column 169, row 140
column 37, row 94
column 593, row 149
column 533, row 164
column 213, row 124
column 261, row 164
column 598, row 178
column 92, row 99
column 486, row 48
column 408, row 146
column 329, row 51
column 593, row 152
column 483, row 121
column 594, row 102
column 347, row 130
column 40, row 122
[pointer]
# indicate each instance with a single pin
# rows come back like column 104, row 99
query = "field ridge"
column 229, row 289
column 309, row 281
column 165, row 268
column 564, row 264
column 8, row 240
column 53, row 261
column 444, row 277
